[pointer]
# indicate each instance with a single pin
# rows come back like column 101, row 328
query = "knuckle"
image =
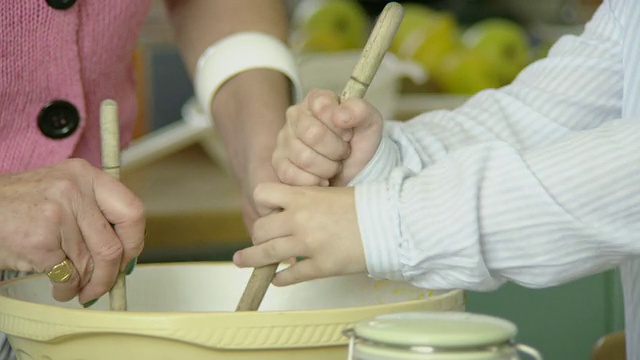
column 305, row 158
column 110, row 253
column 319, row 99
column 25, row 265
column 313, row 133
column 339, row 152
column 63, row 187
column 320, row 93
column 358, row 107
column 291, row 111
column 314, row 93
column 287, row 174
column 271, row 250
column 345, row 151
column 280, row 171
column 135, row 210
column 134, row 248
column 51, row 212
column 259, row 191
column 276, row 161
column 279, row 166
column 79, row 164
column 334, row 168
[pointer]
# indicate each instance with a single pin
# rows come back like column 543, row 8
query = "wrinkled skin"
column 70, row 210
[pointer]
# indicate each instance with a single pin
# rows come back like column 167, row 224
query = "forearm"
column 199, row 23
column 248, row 110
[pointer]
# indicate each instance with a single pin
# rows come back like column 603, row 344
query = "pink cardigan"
column 82, row 55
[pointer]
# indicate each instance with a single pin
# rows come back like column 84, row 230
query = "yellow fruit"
column 415, row 17
column 322, row 41
column 465, row 72
column 328, row 25
column 504, row 42
column 425, row 36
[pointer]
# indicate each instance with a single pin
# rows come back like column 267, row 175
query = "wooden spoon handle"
column 110, row 142
column 374, row 50
column 357, row 85
column 257, row 286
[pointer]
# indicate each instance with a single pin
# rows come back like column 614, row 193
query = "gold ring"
column 61, row 272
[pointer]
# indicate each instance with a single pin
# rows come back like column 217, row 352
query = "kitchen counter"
column 193, row 207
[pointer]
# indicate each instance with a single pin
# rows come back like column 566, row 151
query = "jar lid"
column 436, row 329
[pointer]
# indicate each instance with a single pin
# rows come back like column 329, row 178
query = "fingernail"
column 236, row 258
column 130, row 266
column 89, row 303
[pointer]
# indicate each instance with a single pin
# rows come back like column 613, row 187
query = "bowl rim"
column 215, row 329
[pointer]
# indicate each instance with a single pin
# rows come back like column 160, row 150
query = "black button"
column 58, row 119
column 61, row 4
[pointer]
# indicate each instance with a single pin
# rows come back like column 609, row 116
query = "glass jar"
column 435, row 336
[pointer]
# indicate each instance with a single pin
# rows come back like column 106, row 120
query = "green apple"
column 504, row 42
column 425, row 35
column 415, row 17
column 328, row 25
column 464, row 71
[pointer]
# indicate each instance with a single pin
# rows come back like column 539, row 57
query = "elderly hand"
column 70, row 210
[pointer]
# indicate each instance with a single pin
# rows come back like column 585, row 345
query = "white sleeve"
column 516, row 184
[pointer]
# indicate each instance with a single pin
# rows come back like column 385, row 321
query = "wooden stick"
column 374, row 50
column 110, row 140
column 357, row 85
column 256, row 287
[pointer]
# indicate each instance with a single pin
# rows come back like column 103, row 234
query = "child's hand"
column 324, row 142
column 316, row 223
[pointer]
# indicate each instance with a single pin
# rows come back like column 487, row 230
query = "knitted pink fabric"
column 82, row 55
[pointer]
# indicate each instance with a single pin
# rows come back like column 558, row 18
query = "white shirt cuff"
column 378, row 234
column 386, row 158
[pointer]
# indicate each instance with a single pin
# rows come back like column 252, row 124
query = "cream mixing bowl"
column 186, row 311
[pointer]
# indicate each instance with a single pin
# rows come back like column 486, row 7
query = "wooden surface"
column 190, row 202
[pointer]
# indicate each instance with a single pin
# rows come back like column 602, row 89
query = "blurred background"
column 444, row 52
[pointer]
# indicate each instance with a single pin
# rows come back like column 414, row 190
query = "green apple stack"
column 425, row 36
column 328, row 26
column 487, row 54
